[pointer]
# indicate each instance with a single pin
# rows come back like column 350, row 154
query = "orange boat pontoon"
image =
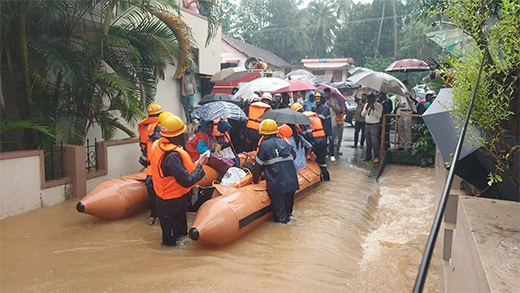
column 126, row 196
column 223, row 219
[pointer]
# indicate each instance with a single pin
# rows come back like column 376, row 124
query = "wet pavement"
column 349, row 235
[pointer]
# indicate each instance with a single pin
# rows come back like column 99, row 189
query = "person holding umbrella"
column 372, row 113
column 337, row 122
column 275, row 158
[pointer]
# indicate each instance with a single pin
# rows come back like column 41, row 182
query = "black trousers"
column 321, row 159
column 152, row 196
column 172, row 215
column 360, row 126
column 282, row 206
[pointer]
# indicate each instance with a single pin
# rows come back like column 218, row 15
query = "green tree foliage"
column 322, row 25
column 274, row 25
column 494, row 25
column 79, row 63
column 357, row 38
column 228, row 11
column 331, row 28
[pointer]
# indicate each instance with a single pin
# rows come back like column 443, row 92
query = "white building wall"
column 230, row 53
column 122, row 159
column 20, row 190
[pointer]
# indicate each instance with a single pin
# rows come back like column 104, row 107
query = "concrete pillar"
column 74, row 166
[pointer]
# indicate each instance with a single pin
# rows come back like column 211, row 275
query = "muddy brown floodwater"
column 349, row 235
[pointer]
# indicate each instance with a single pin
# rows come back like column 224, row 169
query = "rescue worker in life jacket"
column 173, row 175
column 316, row 136
column 148, row 132
column 275, row 158
column 256, row 110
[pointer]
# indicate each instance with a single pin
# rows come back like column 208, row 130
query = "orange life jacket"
column 145, row 127
column 217, row 133
column 149, row 145
column 280, row 136
column 256, row 110
column 285, row 131
column 167, row 187
column 191, row 145
column 316, row 126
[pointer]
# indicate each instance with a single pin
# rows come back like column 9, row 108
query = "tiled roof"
column 252, row 51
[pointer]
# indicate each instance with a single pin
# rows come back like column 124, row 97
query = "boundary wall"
column 24, row 188
column 478, row 246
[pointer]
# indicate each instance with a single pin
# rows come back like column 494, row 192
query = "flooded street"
column 349, row 235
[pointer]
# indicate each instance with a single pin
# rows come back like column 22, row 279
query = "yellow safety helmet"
column 163, row 116
column 268, row 127
column 172, row 126
column 317, row 94
column 153, row 109
column 296, row 107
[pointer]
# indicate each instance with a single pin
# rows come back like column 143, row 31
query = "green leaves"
column 92, row 62
column 493, row 178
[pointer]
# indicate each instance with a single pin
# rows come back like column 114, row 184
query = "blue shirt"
column 300, row 161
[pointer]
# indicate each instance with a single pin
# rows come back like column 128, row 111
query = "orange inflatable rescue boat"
column 126, row 196
column 223, row 219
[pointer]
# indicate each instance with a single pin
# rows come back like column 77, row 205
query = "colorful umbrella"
column 335, row 93
column 296, row 86
column 408, row 65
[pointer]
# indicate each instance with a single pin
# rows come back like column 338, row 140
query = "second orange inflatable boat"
column 223, row 219
column 126, row 196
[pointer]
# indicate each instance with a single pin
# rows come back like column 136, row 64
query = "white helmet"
column 267, row 96
column 430, row 92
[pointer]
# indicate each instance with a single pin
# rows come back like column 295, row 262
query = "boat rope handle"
column 304, row 177
column 259, row 189
column 314, row 172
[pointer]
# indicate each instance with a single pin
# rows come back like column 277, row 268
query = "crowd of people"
column 173, row 166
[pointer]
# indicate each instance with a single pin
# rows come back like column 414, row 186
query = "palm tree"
column 342, row 8
column 86, row 62
column 322, row 26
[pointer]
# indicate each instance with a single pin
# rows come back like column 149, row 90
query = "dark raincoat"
column 275, row 157
column 324, row 113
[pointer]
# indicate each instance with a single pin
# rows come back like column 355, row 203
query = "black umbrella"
column 445, row 128
column 215, row 97
column 287, row 115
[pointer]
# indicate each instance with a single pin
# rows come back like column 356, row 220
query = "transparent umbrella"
column 219, row 110
column 266, row 84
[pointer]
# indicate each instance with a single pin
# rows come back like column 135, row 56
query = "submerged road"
column 349, row 235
